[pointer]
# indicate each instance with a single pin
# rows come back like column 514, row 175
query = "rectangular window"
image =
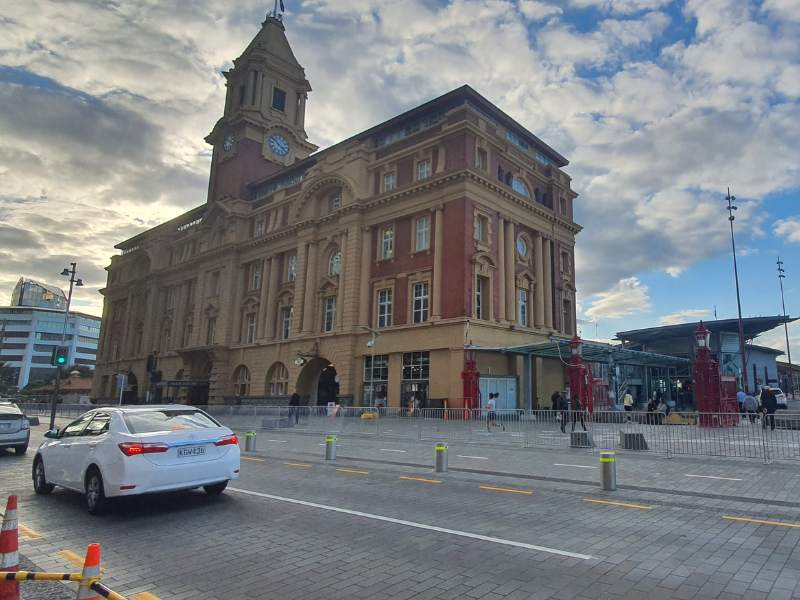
column 422, row 237
column 213, row 288
column 190, row 291
column 416, row 365
column 259, row 228
column 420, row 302
column 385, row 308
column 335, row 201
column 210, row 327
column 387, row 242
column 563, row 202
column 256, row 268
column 389, row 181
column 291, row 267
column 522, row 308
column 567, row 317
column 423, row 169
column 328, row 314
column 566, row 263
column 481, row 297
column 481, row 160
column 376, row 378
column 278, row 99
column 286, row 322
column 250, row 328
column 482, row 229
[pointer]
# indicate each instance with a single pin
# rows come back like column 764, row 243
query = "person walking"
column 563, row 408
column 750, row 407
column 627, row 401
column 491, row 412
column 740, row 398
column 577, row 412
column 769, row 404
column 294, row 408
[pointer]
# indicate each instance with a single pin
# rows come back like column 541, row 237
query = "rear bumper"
column 20, row 438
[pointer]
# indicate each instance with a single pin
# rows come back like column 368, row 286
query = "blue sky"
column 658, row 104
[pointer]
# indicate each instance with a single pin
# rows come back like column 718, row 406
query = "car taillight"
column 134, row 448
column 227, row 441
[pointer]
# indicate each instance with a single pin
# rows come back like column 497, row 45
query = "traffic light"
column 59, row 356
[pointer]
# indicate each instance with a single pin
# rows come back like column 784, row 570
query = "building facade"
column 358, row 273
column 28, row 292
column 29, row 335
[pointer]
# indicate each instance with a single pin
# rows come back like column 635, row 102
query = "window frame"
column 286, row 315
column 276, row 91
column 421, row 313
column 386, row 253
column 523, row 307
column 328, row 314
column 388, row 304
column 481, row 165
column 332, row 262
column 290, row 276
column 427, row 164
column 427, row 229
column 389, row 177
column 250, row 325
column 481, row 296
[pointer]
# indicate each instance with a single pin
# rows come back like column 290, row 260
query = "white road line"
column 279, row 441
column 713, row 477
column 391, row 450
column 477, row 457
column 576, row 466
column 465, row 534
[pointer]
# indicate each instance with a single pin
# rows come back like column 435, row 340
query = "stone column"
column 538, row 293
column 511, row 296
column 366, row 285
column 235, row 310
column 501, row 267
column 263, row 313
column 198, row 338
column 127, row 337
column 339, row 325
column 309, row 301
column 438, row 262
column 270, row 310
column 299, row 287
column 152, row 325
column 548, row 284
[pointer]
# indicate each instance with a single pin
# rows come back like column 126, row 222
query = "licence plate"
column 191, row 451
column 5, row 426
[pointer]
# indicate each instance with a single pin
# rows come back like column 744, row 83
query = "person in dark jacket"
column 769, row 404
column 577, row 413
column 294, row 408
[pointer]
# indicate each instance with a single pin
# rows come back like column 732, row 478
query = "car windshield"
column 168, row 420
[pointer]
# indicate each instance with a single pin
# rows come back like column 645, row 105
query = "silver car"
column 15, row 430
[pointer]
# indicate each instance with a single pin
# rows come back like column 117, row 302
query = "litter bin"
column 250, row 441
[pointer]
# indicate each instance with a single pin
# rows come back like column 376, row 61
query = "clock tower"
column 263, row 127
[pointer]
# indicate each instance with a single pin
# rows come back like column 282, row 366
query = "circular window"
column 522, row 247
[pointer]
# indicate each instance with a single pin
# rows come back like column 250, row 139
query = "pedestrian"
column 740, row 398
column 627, row 402
column 769, row 404
column 294, row 408
column 555, row 399
column 577, row 412
column 651, row 409
column 491, row 412
column 750, row 406
column 661, row 411
column 563, row 407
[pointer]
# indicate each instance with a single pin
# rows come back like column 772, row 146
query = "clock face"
column 279, row 145
column 228, row 143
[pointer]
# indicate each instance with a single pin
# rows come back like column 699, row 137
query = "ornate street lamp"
column 77, row 282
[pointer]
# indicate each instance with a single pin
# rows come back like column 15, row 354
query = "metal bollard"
column 330, row 447
column 250, row 441
column 441, row 458
column 608, row 471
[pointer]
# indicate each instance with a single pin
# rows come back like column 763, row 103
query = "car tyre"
column 96, row 501
column 20, row 450
column 215, row 489
column 40, row 485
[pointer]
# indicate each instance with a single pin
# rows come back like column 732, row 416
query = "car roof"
column 144, row 408
column 9, row 408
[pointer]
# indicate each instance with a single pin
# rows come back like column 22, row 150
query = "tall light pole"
column 731, row 218
column 781, row 277
column 73, row 281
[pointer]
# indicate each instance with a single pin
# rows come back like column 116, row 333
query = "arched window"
column 334, row 199
column 241, row 381
column 519, row 186
column 335, row 263
column 278, row 380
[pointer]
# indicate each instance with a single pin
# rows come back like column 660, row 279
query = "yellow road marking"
column 244, row 458
column 761, row 521
column 71, row 557
column 508, row 490
column 355, row 471
column 421, row 479
column 29, row 533
column 299, row 465
column 145, row 596
column 622, row 504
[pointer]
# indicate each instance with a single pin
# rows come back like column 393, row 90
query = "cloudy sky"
column 658, row 104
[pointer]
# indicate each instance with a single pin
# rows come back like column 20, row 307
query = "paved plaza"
column 504, row 523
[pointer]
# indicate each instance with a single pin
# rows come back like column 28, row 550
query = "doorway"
column 318, row 383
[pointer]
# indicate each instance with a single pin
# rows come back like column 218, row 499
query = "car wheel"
column 216, row 489
column 20, row 450
column 95, row 494
column 40, row 485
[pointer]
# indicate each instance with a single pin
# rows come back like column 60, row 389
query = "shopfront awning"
column 558, row 348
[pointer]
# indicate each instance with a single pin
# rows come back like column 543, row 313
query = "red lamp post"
column 471, row 380
column 579, row 377
column 715, row 408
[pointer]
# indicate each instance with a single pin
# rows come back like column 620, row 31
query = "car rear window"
column 9, row 417
column 168, row 420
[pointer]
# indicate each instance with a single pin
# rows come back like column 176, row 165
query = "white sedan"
column 131, row 450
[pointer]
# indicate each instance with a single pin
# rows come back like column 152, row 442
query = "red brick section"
column 458, row 247
column 231, row 176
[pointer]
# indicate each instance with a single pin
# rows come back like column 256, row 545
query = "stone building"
column 361, row 271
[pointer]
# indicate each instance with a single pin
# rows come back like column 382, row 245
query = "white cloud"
column 621, row 6
column 628, row 296
column 683, row 316
column 789, row 228
column 538, row 11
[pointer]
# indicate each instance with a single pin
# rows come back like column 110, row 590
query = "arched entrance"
column 131, row 393
column 318, row 383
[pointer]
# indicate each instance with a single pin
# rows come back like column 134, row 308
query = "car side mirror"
column 52, row 434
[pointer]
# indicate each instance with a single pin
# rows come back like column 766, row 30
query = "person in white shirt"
column 491, row 412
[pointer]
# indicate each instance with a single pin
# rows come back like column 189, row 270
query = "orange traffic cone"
column 9, row 550
column 90, row 574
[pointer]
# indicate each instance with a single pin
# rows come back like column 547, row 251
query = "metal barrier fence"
column 699, row 434
column 706, row 434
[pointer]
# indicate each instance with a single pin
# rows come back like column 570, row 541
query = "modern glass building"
column 28, row 336
column 28, row 292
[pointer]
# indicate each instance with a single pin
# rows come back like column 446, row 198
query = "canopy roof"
column 753, row 326
column 593, row 352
